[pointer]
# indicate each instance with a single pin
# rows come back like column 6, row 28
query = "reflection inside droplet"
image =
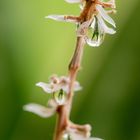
column 66, row 136
column 95, row 35
column 60, row 97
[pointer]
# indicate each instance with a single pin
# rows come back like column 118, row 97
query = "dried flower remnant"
column 91, row 29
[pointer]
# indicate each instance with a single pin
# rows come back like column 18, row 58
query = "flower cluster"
column 59, row 88
column 96, row 22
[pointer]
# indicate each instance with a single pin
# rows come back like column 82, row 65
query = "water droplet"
column 95, row 34
column 66, row 136
column 60, row 97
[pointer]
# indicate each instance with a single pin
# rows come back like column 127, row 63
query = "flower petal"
column 61, row 18
column 104, row 15
column 104, row 26
column 46, row 87
column 73, row 1
column 39, row 110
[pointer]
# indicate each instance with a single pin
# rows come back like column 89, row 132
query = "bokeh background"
column 32, row 48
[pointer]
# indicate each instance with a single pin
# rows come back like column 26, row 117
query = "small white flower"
column 97, row 21
column 57, row 83
column 40, row 110
column 97, row 27
column 59, row 87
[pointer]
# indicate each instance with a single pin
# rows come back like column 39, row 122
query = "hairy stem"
column 64, row 111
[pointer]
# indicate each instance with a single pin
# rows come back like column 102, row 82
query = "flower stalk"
column 64, row 110
column 91, row 30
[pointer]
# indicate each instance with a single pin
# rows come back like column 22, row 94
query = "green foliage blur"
column 32, row 48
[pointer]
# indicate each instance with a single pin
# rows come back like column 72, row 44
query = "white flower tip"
column 73, row 1
column 113, row 3
column 26, row 107
column 77, row 86
column 39, row 84
column 45, row 87
column 46, row 17
column 114, row 25
column 30, row 107
column 113, row 31
column 56, row 17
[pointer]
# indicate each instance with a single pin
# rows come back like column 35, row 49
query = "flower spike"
column 91, row 29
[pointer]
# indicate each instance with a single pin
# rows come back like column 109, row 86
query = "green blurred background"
column 32, row 48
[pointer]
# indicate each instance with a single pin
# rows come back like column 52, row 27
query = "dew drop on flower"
column 60, row 97
column 66, row 137
column 95, row 34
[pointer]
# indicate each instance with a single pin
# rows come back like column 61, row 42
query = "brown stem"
column 75, row 62
column 64, row 111
column 61, row 122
